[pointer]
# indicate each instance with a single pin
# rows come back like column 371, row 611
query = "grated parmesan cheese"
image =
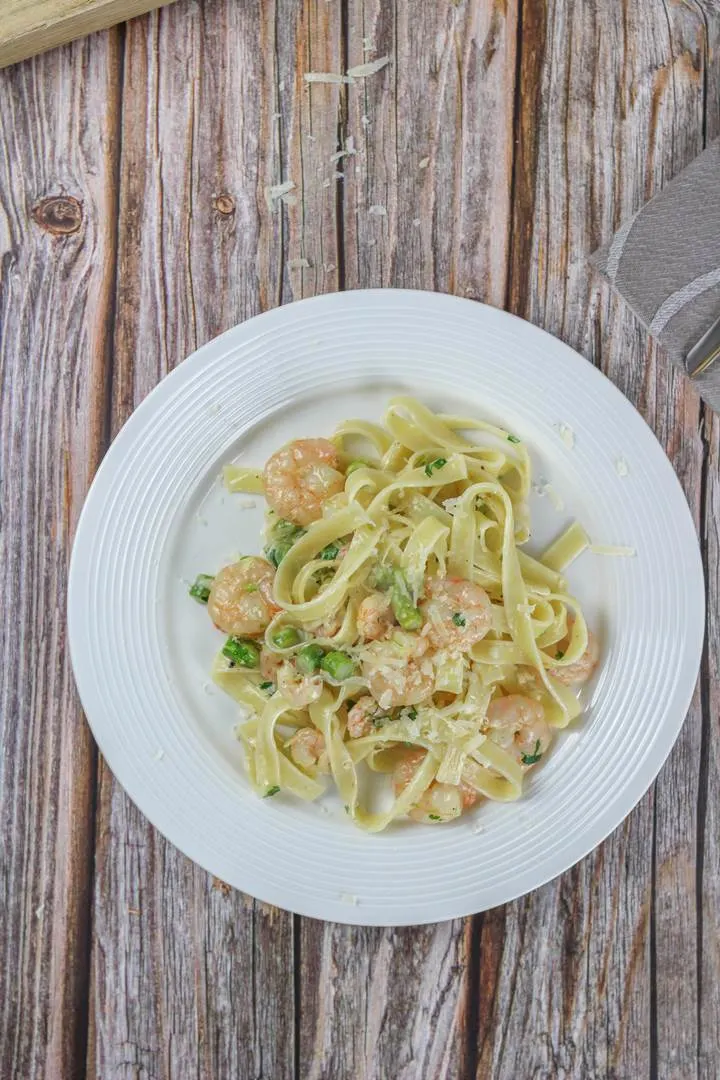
column 621, row 467
column 377, row 211
column 297, row 264
column 423, row 163
column 613, row 549
column 248, row 504
column 370, row 68
column 275, row 192
column 416, row 222
column 349, row 150
column 544, row 488
column 566, row 433
column 159, row 755
column 365, row 121
column 348, row 898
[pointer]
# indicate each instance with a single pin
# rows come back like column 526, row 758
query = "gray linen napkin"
column 665, row 262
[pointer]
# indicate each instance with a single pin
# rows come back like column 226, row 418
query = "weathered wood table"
column 504, row 141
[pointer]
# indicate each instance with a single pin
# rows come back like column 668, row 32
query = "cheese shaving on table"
column 347, row 152
column 370, row 68
column 378, row 211
column 326, row 77
column 274, row 192
column 298, row 264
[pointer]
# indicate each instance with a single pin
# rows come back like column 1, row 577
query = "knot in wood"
column 60, row 215
column 224, row 204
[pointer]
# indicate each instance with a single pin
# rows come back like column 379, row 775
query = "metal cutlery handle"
column 705, row 351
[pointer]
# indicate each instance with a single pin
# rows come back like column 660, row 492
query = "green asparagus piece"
column 402, row 604
column 308, row 659
column 200, row 589
column 338, row 665
column 241, row 652
column 286, row 637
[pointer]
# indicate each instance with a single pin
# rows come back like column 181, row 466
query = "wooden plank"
column 707, row 867
column 382, row 1003
column 676, row 100
column 58, row 151
column 32, row 26
column 611, row 108
column 395, row 1003
column 433, row 133
column 190, row 978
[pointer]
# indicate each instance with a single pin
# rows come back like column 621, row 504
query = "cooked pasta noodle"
column 394, row 624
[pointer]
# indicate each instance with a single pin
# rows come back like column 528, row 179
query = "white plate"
column 156, row 515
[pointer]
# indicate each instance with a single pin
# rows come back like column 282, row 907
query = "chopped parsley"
column 433, row 466
column 559, row 654
column 270, row 792
column 434, row 817
column 268, row 686
column 530, row 759
column 412, row 713
column 458, row 618
column 250, row 587
column 330, row 552
column 513, row 438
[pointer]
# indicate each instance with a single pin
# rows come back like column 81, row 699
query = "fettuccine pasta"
column 394, row 623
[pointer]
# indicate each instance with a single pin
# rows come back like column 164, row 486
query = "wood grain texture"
column 614, row 109
column 707, row 865
column 433, row 135
column 58, row 138
column 32, row 26
column 504, row 141
column 189, row 978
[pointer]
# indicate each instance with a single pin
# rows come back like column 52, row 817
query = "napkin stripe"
column 679, row 299
column 617, row 245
